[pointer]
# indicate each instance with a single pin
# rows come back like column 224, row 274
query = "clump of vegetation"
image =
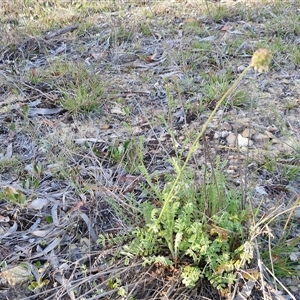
column 201, row 231
column 81, row 91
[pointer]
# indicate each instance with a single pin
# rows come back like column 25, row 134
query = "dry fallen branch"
column 61, row 31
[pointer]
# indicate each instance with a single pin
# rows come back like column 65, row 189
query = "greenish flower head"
column 261, row 60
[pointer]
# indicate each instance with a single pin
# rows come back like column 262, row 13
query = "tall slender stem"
column 195, row 143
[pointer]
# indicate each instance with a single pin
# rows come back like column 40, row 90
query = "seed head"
column 261, row 60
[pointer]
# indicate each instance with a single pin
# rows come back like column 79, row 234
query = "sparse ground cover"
column 118, row 179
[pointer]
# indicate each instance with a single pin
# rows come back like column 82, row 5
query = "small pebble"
column 260, row 138
column 231, row 138
column 226, row 126
column 216, row 135
column 269, row 134
column 241, row 68
column 276, row 141
column 230, row 171
column 224, row 134
column 294, row 288
column 238, row 126
column 211, row 125
column 244, row 142
column 232, row 167
column 220, row 113
column 272, row 129
column 247, row 133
